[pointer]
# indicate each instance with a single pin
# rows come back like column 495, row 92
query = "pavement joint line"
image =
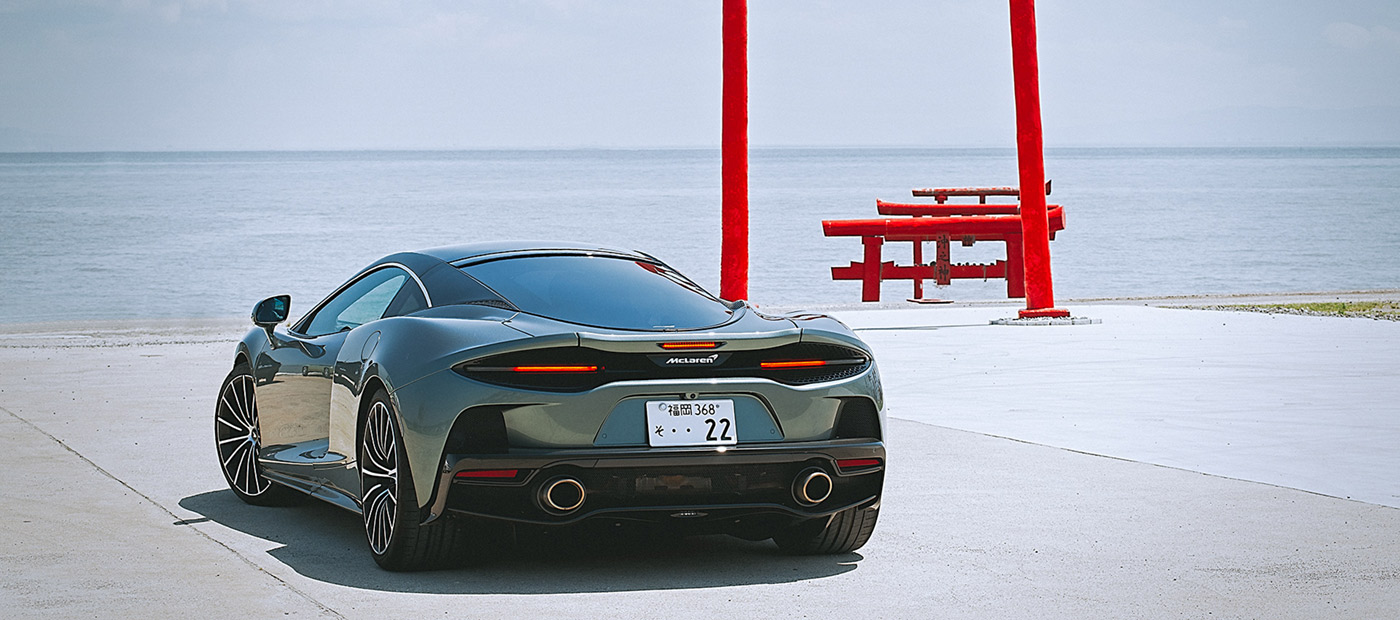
column 1148, row 463
column 174, row 516
column 914, row 327
column 105, row 345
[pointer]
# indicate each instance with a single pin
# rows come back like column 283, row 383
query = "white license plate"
column 691, row 423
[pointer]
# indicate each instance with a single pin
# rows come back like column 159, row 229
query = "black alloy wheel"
column 237, row 438
column 397, row 537
column 379, row 477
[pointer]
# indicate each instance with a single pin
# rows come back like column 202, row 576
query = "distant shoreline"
column 1164, row 301
column 998, row 148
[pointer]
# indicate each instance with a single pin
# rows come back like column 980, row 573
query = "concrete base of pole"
column 1047, row 320
column 1039, row 313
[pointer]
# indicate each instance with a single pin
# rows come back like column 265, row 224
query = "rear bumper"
column 701, row 488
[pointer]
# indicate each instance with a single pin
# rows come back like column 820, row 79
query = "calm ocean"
column 153, row 235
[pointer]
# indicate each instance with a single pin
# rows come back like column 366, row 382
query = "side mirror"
column 271, row 311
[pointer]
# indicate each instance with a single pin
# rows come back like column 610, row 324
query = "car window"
column 409, row 300
column 364, row 301
column 602, row 291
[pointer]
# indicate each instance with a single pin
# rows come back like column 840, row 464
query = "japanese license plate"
column 691, row 423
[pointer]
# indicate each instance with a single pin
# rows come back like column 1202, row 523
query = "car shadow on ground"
column 326, row 543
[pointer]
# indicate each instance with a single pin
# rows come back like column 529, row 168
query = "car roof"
column 456, row 253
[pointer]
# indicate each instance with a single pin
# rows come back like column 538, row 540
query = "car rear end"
column 716, row 433
column 635, row 396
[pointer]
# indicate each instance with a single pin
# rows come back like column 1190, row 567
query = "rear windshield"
column 602, row 291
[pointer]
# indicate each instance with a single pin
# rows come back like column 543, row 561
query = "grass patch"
column 1387, row 310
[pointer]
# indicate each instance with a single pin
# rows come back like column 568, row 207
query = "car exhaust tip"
column 812, row 487
column 562, row 495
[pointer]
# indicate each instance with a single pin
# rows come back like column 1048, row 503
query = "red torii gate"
column 1030, row 155
column 941, row 224
column 734, row 154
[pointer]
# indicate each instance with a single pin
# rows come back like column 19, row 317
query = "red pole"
column 734, row 154
column 1030, row 156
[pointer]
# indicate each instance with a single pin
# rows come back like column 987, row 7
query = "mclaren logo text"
column 672, row 361
column 708, row 359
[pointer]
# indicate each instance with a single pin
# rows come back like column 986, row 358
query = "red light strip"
column 557, row 368
column 689, row 345
column 487, row 473
column 857, row 463
column 793, row 364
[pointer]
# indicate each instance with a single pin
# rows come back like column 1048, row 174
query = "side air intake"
column 479, row 430
column 857, row 419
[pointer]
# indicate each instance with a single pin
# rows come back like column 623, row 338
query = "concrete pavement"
column 80, row 543
column 111, row 502
column 1310, row 403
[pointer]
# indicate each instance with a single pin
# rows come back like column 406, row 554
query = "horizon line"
column 1338, row 145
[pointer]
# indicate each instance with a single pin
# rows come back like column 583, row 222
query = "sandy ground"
column 1016, row 488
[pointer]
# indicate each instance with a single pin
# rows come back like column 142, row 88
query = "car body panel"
column 313, row 391
column 295, row 396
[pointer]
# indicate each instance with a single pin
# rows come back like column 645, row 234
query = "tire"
column 394, row 530
column 843, row 532
column 237, row 439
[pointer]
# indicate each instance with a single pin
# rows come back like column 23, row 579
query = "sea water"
column 154, row 235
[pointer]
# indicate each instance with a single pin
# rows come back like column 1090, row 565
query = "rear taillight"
column 576, row 369
column 792, row 364
column 558, row 368
column 689, row 346
column 494, row 474
column 565, row 369
column 849, row 465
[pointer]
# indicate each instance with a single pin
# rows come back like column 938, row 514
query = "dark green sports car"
column 449, row 393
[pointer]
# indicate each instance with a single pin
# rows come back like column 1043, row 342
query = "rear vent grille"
column 857, row 419
column 479, row 430
column 575, row 369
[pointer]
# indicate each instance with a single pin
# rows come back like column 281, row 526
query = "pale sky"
column 352, row 74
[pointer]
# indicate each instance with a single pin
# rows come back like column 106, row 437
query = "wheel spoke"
column 232, row 413
column 379, row 474
column 236, row 436
column 385, row 516
column 223, row 420
column 232, row 453
column 240, row 403
column 239, row 477
column 249, row 468
column 377, row 439
column 379, row 520
column 251, row 398
column 371, row 462
column 249, row 411
column 386, row 523
column 236, row 410
column 255, row 480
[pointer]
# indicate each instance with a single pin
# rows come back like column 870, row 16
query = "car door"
column 294, row 407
